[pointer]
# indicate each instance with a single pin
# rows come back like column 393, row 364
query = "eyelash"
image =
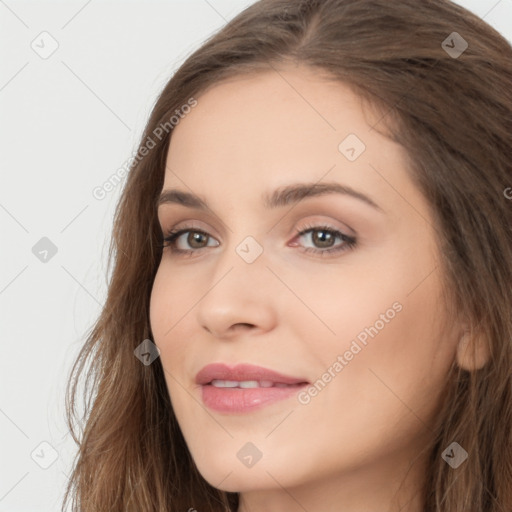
column 350, row 242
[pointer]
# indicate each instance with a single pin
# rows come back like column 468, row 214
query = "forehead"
column 276, row 109
column 265, row 130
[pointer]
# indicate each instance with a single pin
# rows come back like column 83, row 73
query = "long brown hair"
column 453, row 115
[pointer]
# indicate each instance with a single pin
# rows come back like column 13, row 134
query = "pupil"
column 322, row 239
column 194, row 238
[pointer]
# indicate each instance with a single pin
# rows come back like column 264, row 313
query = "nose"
column 241, row 298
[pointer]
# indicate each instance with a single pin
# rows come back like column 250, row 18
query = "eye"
column 324, row 239
column 196, row 239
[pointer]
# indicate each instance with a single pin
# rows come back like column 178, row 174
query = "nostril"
column 242, row 324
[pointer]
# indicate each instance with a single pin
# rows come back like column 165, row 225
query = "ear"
column 472, row 350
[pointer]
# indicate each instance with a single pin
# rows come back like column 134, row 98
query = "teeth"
column 246, row 384
column 249, row 384
column 225, row 383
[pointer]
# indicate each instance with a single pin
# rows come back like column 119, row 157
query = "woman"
column 310, row 305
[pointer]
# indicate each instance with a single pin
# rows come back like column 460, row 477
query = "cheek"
column 172, row 298
column 160, row 308
column 174, row 326
column 169, row 304
column 382, row 319
column 397, row 357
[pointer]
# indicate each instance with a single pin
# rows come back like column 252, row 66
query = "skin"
column 352, row 445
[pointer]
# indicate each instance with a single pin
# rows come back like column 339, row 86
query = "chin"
column 239, row 479
column 227, row 473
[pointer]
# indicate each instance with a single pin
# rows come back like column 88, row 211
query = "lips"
column 244, row 373
column 244, row 387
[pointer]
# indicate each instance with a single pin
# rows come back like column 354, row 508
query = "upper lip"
column 243, row 372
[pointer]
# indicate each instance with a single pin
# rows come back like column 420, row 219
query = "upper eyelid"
column 313, row 223
column 309, row 227
column 188, row 225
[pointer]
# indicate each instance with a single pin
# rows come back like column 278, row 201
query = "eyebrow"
column 284, row 196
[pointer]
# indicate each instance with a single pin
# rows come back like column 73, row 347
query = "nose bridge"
column 241, row 271
column 244, row 254
column 239, row 289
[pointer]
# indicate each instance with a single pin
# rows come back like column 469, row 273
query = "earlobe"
column 472, row 351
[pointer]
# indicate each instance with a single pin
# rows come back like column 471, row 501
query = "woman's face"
column 357, row 316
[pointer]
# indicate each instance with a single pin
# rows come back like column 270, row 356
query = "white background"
column 67, row 124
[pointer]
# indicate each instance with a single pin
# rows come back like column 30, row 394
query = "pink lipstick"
column 244, row 387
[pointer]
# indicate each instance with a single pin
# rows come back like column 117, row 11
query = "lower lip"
column 233, row 400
